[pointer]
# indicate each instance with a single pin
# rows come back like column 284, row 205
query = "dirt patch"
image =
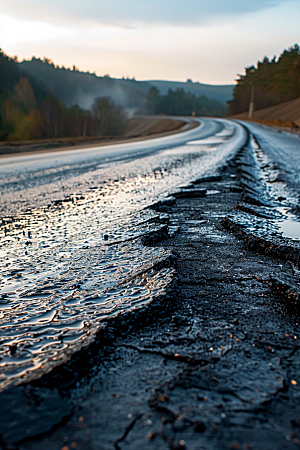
column 153, row 125
column 285, row 115
column 280, row 125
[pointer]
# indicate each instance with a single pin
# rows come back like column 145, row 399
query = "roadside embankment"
column 284, row 116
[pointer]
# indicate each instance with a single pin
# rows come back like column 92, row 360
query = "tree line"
column 29, row 111
column 274, row 82
column 181, row 103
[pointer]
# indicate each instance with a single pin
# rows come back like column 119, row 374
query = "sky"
column 210, row 41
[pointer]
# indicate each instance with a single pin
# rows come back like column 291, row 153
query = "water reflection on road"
column 76, row 259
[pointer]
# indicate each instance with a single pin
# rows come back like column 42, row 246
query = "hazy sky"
column 207, row 40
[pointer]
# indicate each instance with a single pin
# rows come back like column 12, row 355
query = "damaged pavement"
column 214, row 364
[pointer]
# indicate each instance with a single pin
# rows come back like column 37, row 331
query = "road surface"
column 78, row 236
column 76, row 202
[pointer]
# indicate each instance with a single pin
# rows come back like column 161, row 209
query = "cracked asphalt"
column 212, row 365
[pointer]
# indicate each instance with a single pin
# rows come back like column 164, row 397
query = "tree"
column 152, row 100
column 24, row 95
column 108, row 117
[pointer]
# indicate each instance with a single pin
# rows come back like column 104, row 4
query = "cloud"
column 128, row 13
column 209, row 54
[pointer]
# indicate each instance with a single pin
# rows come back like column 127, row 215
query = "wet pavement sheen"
column 77, row 258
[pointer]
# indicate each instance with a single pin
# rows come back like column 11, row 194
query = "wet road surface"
column 204, row 353
column 70, row 266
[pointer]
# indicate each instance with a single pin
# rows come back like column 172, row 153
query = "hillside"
column 29, row 110
column 221, row 93
column 285, row 112
column 81, row 88
column 10, row 76
column 74, row 87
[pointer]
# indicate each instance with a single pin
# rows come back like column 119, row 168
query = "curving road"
column 34, row 180
column 72, row 246
column 72, row 256
column 71, row 223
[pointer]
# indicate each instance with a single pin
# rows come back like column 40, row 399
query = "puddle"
column 217, row 139
column 225, row 133
column 289, row 227
column 212, row 192
column 214, row 140
column 262, row 175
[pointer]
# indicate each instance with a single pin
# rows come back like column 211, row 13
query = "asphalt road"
column 61, row 209
column 90, row 293
column 27, row 178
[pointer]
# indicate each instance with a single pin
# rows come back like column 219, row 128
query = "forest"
column 274, row 81
column 28, row 110
column 181, row 103
column 72, row 86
